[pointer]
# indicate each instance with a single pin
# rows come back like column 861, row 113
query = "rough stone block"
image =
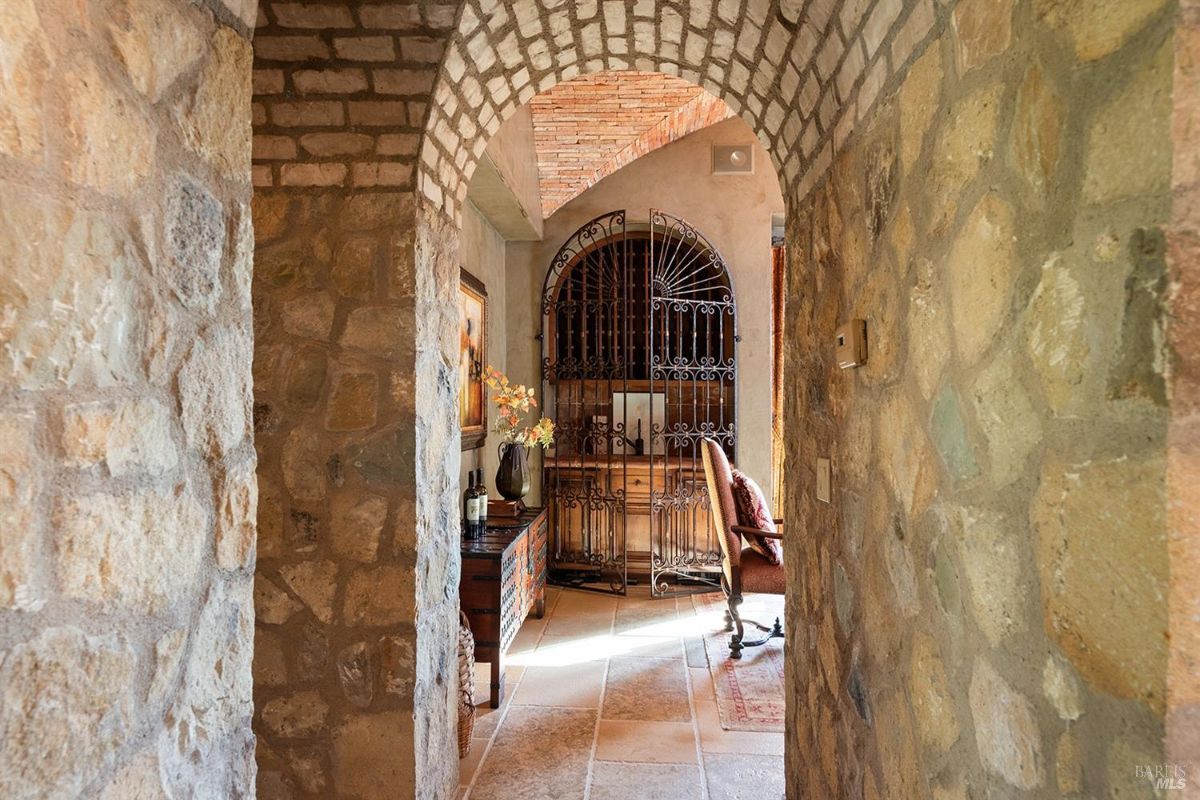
column 130, row 436
column 303, row 466
column 19, row 484
column 380, row 596
column 982, row 30
column 1006, row 730
column 1102, row 557
column 111, row 141
column 28, row 57
column 356, row 526
column 933, row 704
column 309, row 315
column 314, row 582
column 1009, row 421
column 272, row 605
column 296, row 715
column 98, row 532
column 156, row 41
column 66, row 710
column 364, row 756
column 1124, row 160
column 983, row 271
column 236, row 507
column 382, row 331
column 213, row 119
column 194, row 242
column 214, row 387
column 1097, row 28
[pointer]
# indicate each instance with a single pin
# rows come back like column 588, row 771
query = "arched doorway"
column 639, row 342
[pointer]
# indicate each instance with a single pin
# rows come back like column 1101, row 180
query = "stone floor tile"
column 576, row 685
column 647, row 617
column 538, row 754
column 743, row 777
column 580, row 624
column 647, row 646
column 647, row 689
column 702, row 684
column 696, row 654
column 467, row 766
column 553, row 648
column 611, row 781
column 646, row 742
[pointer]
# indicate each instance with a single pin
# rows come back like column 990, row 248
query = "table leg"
column 497, row 680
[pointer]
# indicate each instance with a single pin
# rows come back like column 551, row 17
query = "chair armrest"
column 742, row 530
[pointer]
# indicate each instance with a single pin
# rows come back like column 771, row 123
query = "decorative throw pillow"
column 752, row 512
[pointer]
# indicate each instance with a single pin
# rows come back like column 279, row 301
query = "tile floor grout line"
column 487, row 750
column 704, row 793
column 591, row 765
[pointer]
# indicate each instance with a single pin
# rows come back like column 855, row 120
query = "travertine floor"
column 611, row 699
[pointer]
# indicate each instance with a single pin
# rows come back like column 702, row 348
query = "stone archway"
column 354, row 281
column 910, row 137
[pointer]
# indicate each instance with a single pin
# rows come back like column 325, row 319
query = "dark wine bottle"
column 470, row 508
column 481, row 487
column 639, row 444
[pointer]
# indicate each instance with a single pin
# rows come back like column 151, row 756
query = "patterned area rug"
column 749, row 690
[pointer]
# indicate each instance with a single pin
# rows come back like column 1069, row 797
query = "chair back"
column 719, row 477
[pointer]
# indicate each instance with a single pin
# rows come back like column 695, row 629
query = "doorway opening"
column 639, row 342
column 622, row 304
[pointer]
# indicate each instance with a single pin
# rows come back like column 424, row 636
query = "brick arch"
column 580, row 140
column 799, row 78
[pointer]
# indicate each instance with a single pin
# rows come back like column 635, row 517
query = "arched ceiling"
column 589, row 127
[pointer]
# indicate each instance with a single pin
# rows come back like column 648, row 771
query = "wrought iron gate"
column 638, row 365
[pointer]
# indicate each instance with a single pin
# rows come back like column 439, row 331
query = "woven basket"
column 466, row 685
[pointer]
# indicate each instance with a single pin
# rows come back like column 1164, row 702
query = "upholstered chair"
column 743, row 569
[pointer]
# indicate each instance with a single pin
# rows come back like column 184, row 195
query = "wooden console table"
column 503, row 579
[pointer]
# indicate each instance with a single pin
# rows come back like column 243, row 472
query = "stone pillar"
column 355, row 294
column 127, row 488
column 1183, row 441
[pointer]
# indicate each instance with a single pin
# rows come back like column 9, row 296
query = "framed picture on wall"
column 472, row 357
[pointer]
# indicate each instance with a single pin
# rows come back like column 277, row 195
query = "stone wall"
column 1183, row 450
column 355, row 417
column 801, row 73
column 982, row 609
column 127, row 487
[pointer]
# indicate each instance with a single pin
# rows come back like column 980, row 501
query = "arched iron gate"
column 638, row 365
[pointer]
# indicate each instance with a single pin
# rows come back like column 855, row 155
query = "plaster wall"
column 512, row 151
column 732, row 211
column 482, row 252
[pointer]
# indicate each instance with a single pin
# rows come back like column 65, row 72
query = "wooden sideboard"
column 503, row 579
column 588, row 482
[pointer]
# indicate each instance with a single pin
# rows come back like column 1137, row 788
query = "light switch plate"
column 824, row 491
column 850, row 344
